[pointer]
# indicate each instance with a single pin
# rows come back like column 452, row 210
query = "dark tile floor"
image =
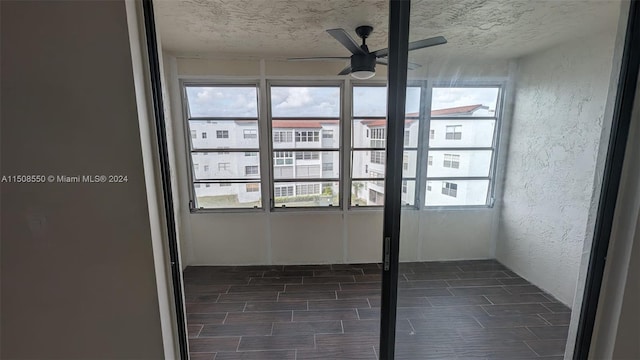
column 446, row 310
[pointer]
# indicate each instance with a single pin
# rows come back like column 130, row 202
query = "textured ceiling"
column 282, row 28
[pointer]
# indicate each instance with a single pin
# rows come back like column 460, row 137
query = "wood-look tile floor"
column 446, row 310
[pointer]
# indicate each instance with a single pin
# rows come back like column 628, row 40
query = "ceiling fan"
column 363, row 62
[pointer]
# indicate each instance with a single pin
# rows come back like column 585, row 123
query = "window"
column 307, row 155
column 280, row 136
column 432, row 134
column 451, row 161
column 453, row 132
column 253, row 187
column 307, row 136
column 450, row 189
column 307, row 189
column 250, row 133
column 251, row 170
column 404, row 186
column 281, row 191
column 377, row 157
column 282, row 158
column 298, row 128
column 463, row 163
column 214, row 109
column 369, row 140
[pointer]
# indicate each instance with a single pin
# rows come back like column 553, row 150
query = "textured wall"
column 557, row 121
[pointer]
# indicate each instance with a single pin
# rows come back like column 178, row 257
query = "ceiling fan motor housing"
column 363, row 62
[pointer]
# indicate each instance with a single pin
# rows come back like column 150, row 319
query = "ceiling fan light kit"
column 363, row 62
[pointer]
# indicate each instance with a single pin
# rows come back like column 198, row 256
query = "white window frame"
column 305, row 140
column 250, row 133
column 220, row 181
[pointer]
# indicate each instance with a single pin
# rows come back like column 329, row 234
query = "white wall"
column 77, row 260
column 556, row 128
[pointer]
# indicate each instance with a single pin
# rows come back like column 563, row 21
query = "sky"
column 323, row 101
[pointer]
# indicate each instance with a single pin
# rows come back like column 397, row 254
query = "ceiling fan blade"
column 410, row 65
column 321, row 58
column 345, row 71
column 415, row 45
column 346, row 40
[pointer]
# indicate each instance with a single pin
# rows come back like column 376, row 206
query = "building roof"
column 459, row 110
column 298, row 124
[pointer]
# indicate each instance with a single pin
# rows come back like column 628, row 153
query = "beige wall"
column 77, row 263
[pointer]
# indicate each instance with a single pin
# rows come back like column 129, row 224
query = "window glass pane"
column 306, row 194
column 409, row 161
column 462, row 133
column 372, row 101
column 367, row 164
column 302, row 101
column 227, row 195
column 306, row 164
column 306, row 134
column 368, row 133
column 371, row 192
column 223, row 134
column 225, row 165
column 222, row 101
column 459, row 163
column 456, row 192
column 464, row 102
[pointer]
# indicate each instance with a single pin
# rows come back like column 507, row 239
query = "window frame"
column 495, row 147
column 193, row 205
column 340, row 84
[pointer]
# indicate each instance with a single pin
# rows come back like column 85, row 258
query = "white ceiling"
column 285, row 28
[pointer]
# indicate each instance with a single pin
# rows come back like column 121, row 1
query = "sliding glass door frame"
column 397, row 82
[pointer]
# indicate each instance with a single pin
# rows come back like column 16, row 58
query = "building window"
column 451, row 161
column 405, row 162
column 377, row 157
column 251, row 170
column 250, row 134
column 432, row 134
column 378, row 138
column 281, row 191
column 282, row 158
column 428, row 185
column 296, row 132
column 280, row 136
column 450, row 189
column 307, row 136
column 430, row 160
column 307, row 155
column 213, row 113
column 252, row 187
column 407, row 137
column 404, row 186
column 307, row 189
column 453, row 132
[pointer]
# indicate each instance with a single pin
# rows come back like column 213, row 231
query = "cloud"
column 222, row 101
column 443, row 98
column 305, row 101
